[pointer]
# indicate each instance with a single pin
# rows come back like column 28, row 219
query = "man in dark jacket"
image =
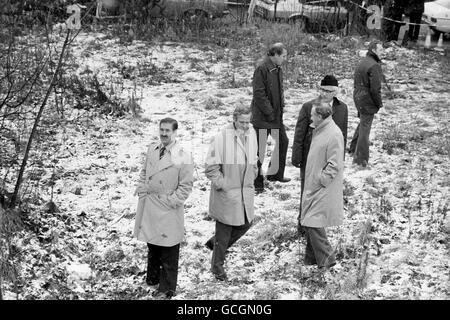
column 304, row 130
column 393, row 12
column 415, row 10
column 267, row 114
column 367, row 98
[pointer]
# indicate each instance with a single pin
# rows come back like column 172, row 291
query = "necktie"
column 161, row 152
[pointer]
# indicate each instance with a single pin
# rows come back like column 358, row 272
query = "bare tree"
column 36, row 122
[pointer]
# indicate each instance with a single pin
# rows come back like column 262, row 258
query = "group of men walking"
column 234, row 167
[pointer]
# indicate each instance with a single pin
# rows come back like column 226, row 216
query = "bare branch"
column 36, row 122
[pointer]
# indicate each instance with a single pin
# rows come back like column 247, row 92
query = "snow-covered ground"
column 396, row 211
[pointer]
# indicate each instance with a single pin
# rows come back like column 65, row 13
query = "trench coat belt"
column 157, row 193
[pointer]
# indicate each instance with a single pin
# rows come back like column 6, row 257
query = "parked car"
column 322, row 15
column 168, row 8
column 191, row 8
column 437, row 15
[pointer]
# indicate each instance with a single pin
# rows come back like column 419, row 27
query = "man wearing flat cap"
column 303, row 130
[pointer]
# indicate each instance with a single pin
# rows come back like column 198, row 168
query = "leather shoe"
column 162, row 295
column 309, row 262
column 328, row 266
column 274, row 178
column 221, row 276
column 152, row 282
column 209, row 245
column 360, row 164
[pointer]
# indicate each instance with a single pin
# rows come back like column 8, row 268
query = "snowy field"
column 394, row 243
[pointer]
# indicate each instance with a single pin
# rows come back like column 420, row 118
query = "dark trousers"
column 162, row 266
column 278, row 159
column 224, row 238
column 360, row 142
column 318, row 249
column 391, row 29
column 413, row 31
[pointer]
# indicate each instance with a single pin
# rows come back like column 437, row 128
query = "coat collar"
column 169, row 147
column 158, row 165
column 373, row 55
column 336, row 102
column 324, row 124
column 270, row 65
column 231, row 129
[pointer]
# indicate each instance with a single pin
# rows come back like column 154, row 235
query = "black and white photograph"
column 236, row 151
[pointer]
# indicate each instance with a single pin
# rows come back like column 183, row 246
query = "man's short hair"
column 373, row 44
column 276, row 48
column 240, row 110
column 323, row 109
column 170, row 120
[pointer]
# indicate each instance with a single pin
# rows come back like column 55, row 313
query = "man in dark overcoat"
column 414, row 9
column 367, row 97
column 393, row 17
column 267, row 114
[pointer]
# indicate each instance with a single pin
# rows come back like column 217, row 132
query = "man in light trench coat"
column 165, row 183
column 231, row 165
column 322, row 202
column 303, row 129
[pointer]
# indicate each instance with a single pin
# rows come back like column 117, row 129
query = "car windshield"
column 444, row 3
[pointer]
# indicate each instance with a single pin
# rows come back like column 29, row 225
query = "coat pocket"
column 219, row 184
column 231, row 196
column 225, row 185
column 161, row 201
column 314, row 190
column 315, row 185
